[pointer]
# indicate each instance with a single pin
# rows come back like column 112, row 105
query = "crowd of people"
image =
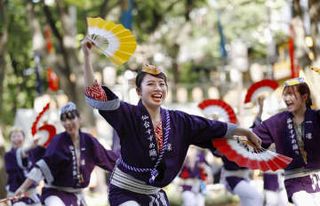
column 154, row 142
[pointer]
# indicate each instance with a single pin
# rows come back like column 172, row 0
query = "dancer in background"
column 237, row 181
column 296, row 133
column 273, row 182
column 154, row 141
column 194, row 176
column 68, row 162
column 18, row 162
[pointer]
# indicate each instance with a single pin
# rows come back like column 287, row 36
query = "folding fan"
column 316, row 69
column 114, row 40
column 46, row 132
column 218, row 109
column 238, row 149
column 246, row 155
column 15, row 197
column 260, row 87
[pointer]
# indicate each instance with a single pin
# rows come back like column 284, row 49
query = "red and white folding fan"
column 259, row 88
column 46, row 132
column 113, row 40
column 246, row 155
column 218, row 109
column 238, row 149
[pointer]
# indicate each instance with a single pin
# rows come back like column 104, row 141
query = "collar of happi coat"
column 76, row 165
column 150, row 136
column 149, row 132
column 292, row 139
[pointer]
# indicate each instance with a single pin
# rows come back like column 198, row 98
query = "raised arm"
column 87, row 68
column 92, row 88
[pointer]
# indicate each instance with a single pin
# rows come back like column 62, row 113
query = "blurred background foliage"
column 166, row 28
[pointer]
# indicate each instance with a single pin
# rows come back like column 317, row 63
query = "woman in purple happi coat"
column 18, row 162
column 296, row 133
column 68, row 162
column 273, row 181
column 154, row 141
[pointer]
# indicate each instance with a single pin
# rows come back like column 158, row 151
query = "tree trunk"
column 175, row 71
column 296, row 10
column 314, row 7
column 69, row 67
column 3, row 46
column 3, row 66
column 68, row 20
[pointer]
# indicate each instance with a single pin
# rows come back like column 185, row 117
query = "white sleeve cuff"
column 109, row 105
column 230, row 130
column 35, row 174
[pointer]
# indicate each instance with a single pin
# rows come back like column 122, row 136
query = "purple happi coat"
column 139, row 155
column 279, row 129
column 59, row 164
column 17, row 168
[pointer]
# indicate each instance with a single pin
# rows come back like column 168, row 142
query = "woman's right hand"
column 86, row 46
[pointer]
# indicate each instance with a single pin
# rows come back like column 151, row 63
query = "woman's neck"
column 75, row 138
column 154, row 114
column 299, row 115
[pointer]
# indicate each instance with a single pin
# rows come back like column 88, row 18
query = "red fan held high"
column 238, row 149
column 46, row 132
column 259, row 88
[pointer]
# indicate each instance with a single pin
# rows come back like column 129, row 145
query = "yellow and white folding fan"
column 114, row 40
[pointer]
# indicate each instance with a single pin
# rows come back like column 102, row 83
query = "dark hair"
column 303, row 89
column 141, row 76
column 69, row 115
column 16, row 129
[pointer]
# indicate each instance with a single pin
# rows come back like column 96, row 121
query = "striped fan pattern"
column 113, row 40
column 246, row 155
column 260, row 87
column 238, row 149
column 218, row 108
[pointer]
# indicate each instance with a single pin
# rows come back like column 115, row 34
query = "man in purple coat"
column 68, row 162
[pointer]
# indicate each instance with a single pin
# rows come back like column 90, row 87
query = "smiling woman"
column 296, row 133
column 154, row 141
column 154, row 84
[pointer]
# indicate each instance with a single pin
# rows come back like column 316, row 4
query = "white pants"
column 24, row 204
column 130, row 203
column 192, row 199
column 302, row 198
column 278, row 198
column 53, row 201
column 32, row 195
column 249, row 196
